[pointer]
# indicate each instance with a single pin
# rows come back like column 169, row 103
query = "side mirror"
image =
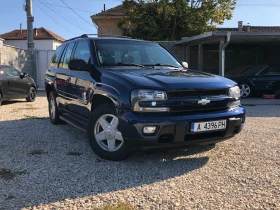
column 185, row 64
column 77, row 64
column 22, row 75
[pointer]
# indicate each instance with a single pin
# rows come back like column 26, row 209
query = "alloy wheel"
column 245, row 90
column 52, row 108
column 106, row 133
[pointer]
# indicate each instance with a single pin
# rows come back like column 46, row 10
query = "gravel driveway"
column 43, row 166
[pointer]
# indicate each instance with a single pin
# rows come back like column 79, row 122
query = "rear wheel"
column 53, row 110
column 31, row 95
column 104, row 137
column 245, row 90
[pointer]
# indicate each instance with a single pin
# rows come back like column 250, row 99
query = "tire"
column 105, row 117
column 1, row 99
column 53, row 110
column 246, row 90
column 31, row 95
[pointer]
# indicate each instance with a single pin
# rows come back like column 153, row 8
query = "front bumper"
column 174, row 130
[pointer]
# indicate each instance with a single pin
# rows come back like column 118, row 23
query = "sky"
column 55, row 16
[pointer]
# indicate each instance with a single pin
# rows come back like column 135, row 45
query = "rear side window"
column 82, row 52
column 66, row 56
column 56, row 56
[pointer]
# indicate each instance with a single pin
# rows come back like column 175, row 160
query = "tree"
column 173, row 19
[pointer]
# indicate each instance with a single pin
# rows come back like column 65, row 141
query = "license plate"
column 208, row 126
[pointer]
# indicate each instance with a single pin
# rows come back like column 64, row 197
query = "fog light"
column 234, row 104
column 149, row 129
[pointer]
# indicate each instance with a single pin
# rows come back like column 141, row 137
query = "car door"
column 18, row 86
column 80, row 83
column 268, row 79
column 62, row 75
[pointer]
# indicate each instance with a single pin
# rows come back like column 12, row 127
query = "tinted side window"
column 82, row 52
column 56, row 56
column 66, row 56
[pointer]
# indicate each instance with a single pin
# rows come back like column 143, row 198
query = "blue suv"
column 129, row 94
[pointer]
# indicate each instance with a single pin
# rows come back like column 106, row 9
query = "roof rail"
column 100, row 35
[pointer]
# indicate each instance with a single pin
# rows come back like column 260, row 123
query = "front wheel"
column 31, row 95
column 53, row 110
column 245, row 90
column 105, row 138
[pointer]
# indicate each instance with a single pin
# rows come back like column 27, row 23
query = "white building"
column 44, row 39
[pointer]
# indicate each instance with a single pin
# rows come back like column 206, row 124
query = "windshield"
column 238, row 70
column 254, row 70
column 112, row 53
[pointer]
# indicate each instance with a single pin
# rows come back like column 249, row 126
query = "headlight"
column 234, row 104
column 234, row 92
column 150, row 97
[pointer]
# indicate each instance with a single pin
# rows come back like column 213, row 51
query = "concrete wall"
column 39, row 44
column 177, row 51
column 15, row 57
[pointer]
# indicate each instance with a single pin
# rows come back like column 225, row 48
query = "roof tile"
column 42, row 33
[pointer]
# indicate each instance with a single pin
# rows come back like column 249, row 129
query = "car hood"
column 175, row 79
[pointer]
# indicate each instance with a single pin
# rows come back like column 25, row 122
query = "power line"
column 52, row 18
column 78, row 14
column 65, row 18
column 63, row 6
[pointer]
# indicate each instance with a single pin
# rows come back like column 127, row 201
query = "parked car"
column 259, row 79
column 16, row 85
column 129, row 94
column 237, row 70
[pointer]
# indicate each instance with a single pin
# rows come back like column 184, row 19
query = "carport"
column 220, row 51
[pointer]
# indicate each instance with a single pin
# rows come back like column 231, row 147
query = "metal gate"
column 42, row 64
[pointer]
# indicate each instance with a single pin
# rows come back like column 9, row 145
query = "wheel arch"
column 99, row 99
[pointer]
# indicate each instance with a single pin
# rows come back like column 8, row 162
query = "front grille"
column 199, row 108
column 197, row 93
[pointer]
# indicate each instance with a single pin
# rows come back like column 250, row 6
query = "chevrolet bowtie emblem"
column 203, row 101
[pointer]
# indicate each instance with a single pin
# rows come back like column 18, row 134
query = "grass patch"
column 122, row 206
column 37, row 152
column 74, row 153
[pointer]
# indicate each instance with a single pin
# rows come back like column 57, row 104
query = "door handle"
column 68, row 79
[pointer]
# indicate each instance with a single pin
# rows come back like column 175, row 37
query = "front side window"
column 66, row 56
column 82, row 52
column 11, row 71
column 126, row 52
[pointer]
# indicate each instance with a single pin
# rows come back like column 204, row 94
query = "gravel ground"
column 43, row 166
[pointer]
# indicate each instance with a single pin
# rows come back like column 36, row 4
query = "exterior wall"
column 39, row 44
column 15, row 57
column 108, row 26
column 177, row 51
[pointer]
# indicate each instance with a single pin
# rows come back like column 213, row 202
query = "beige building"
column 107, row 21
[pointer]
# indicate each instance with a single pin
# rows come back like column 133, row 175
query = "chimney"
column 240, row 25
column 104, row 7
column 20, row 28
column 35, row 32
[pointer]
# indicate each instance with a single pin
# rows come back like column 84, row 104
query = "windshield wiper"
column 130, row 64
column 160, row 64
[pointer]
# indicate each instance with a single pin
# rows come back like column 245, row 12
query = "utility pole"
column 30, row 41
column 30, row 20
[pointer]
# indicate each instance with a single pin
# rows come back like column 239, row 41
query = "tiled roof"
column 117, row 11
column 42, row 33
column 253, row 29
